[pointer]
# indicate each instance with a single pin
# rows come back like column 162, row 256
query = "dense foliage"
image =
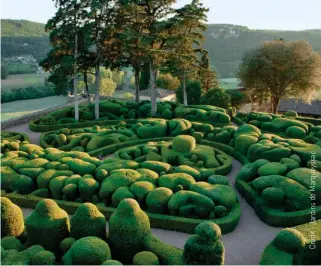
column 217, row 97
column 27, row 93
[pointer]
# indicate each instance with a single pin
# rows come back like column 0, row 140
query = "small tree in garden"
column 217, row 97
column 207, row 76
column 281, row 70
column 193, row 92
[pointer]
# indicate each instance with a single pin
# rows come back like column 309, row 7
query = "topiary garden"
column 165, row 172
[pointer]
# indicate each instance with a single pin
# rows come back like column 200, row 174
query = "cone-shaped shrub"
column 12, row 222
column 88, row 221
column 47, row 225
column 128, row 227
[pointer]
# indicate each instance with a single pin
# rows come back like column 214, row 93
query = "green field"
column 20, row 108
column 229, row 83
column 22, row 81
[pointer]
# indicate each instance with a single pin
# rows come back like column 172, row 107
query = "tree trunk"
column 184, row 88
column 75, row 80
column 153, row 90
column 137, row 83
column 86, row 86
column 275, row 104
column 97, row 81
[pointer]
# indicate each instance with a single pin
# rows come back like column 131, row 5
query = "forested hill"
column 226, row 43
column 10, row 27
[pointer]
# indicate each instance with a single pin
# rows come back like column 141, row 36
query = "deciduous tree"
column 282, row 69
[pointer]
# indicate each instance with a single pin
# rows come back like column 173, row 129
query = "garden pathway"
column 242, row 246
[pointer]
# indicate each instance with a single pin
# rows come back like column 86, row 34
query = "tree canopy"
column 280, row 69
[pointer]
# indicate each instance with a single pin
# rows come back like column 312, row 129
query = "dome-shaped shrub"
column 120, row 194
column 289, row 240
column 111, row 262
column 140, row 189
column 88, row 187
column 12, row 221
column 157, row 199
column 87, row 221
column 56, row 185
column 273, row 195
column 145, row 258
column 11, row 242
column 295, row 132
column 43, row 258
column 272, row 169
column 128, row 227
column 291, row 113
column 87, row 251
column 66, row 244
column 47, row 225
column 184, row 144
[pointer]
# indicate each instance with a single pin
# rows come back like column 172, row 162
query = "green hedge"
column 166, row 222
column 12, row 135
column 283, row 251
column 271, row 216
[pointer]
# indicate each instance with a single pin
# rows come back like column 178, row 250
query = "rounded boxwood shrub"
column 128, row 227
column 272, row 169
column 87, row 221
column 148, row 175
column 145, row 258
column 120, row 194
column 56, row 185
column 184, row 144
column 204, row 248
column 218, row 179
column 171, row 181
column 140, row 189
column 88, row 250
column 111, row 262
column 66, row 244
column 81, row 167
column 289, row 240
column 290, row 163
column 12, row 221
column 47, row 225
column 291, row 113
column 156, row 166
column 11, row 242
column 88, row 187
column 43, row 258
column 273, row 196
column 295, row 132
column 157, row 199
column 70, row 192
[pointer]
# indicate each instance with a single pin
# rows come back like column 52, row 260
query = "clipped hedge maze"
column 114, row 111
column 48, row 237
column 169, row 179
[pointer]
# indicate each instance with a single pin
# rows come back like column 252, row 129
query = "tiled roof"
column 299, row 106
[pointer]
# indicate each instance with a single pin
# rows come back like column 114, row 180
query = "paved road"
column 242, row 246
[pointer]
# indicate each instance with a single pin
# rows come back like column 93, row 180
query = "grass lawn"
column 22, row 81
column 20, row 108
column 229, row 84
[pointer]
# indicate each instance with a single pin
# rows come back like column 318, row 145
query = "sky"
column 255, row 14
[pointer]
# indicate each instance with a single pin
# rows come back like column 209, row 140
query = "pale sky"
column 255, row 14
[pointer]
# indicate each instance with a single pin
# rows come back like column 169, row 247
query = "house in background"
column 162, row 95
column 313, row 109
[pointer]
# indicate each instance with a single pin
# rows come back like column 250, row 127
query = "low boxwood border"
column 271, row 216
column 24, row 135
column 34, row 125
column 167, row 222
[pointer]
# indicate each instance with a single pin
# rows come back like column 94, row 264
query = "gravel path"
column 243, row 246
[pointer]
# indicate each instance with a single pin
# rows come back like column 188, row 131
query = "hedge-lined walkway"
column 34, row 136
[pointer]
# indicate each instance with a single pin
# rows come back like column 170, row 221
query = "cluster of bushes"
column 12, row 136
column 115, row 110
column 92, row 138
column 49, row 237
column 295, row 246
column 159, row 187
column 287, row 125
column 26, row 93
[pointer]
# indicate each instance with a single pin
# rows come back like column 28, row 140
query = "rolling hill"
column 226, row 43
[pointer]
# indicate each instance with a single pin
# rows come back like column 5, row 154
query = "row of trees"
column 150, row 36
